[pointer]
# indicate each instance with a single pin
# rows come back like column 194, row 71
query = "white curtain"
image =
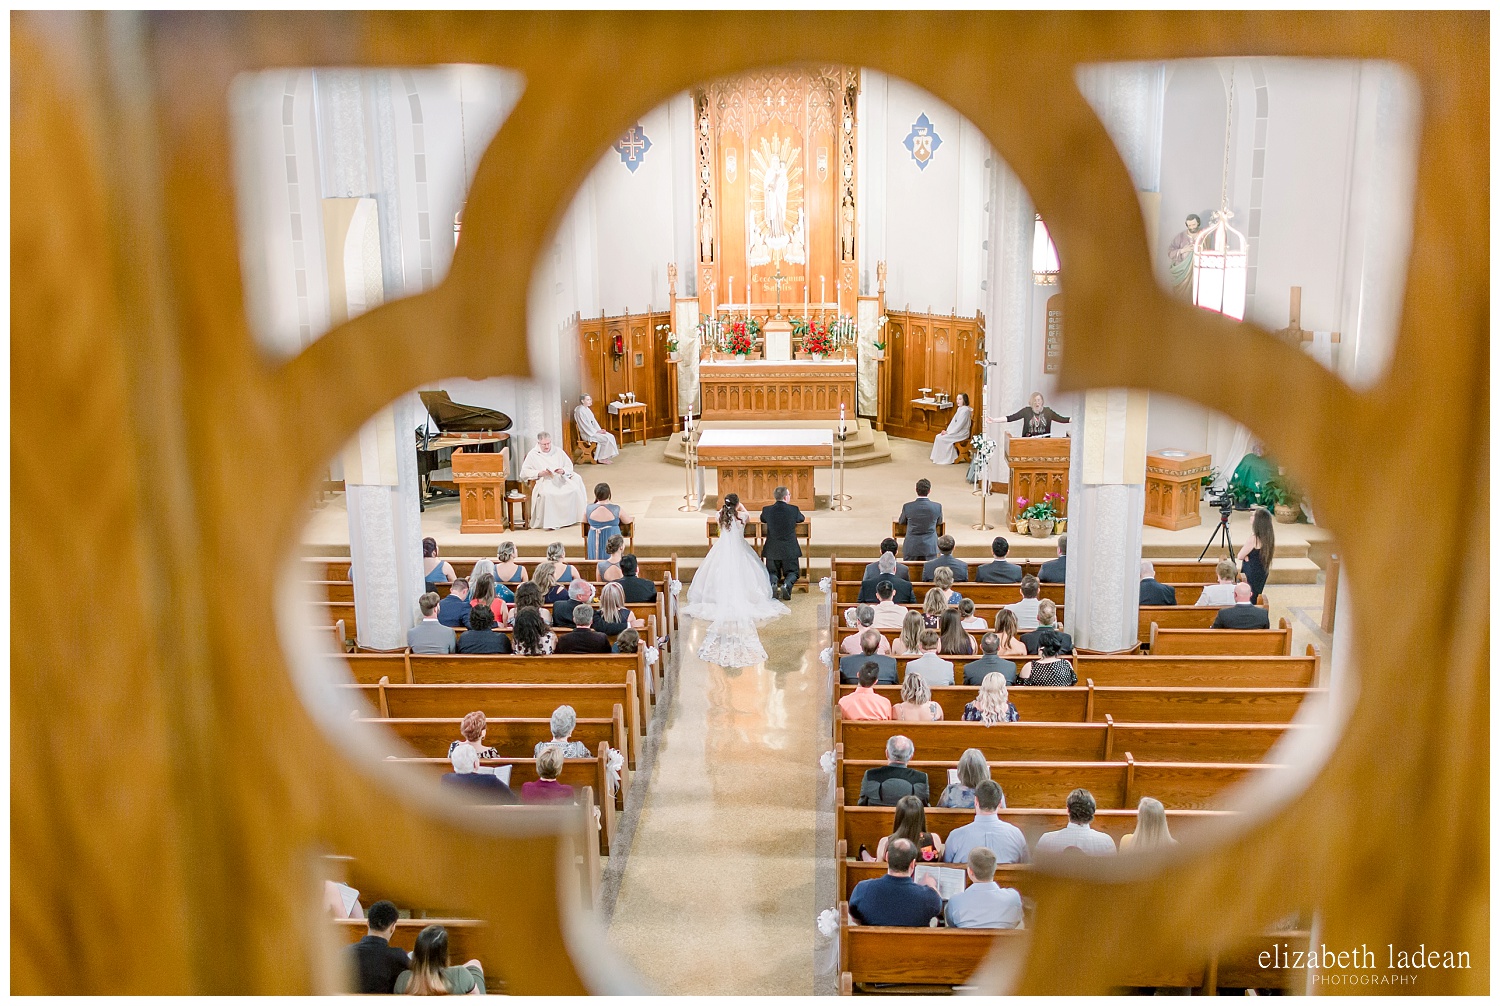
column 1228, row 441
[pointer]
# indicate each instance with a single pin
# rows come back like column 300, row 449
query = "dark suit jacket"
column 476, row 787
column 582, row 641
column 959, row 567
column 562, row 612
column 873, row 569
column 921, row 517
column 1030, row 638
column 849, row 668
column 1054, row 570
column 1153, row 592
column 453, row 612
column 376, row 965
column 998, row 571
column 637, row 589
column 975, row 670
column 883, row 786
column 902, row 588
column 484, row 642
column 1242, row 616
column 780, row 521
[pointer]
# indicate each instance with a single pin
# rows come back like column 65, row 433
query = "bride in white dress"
column 732, row 593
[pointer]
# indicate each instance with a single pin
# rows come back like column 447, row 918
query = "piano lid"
column 452, row 417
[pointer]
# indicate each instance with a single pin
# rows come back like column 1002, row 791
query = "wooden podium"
column 1038, row 465
column 481, row 491
column 1174, row 482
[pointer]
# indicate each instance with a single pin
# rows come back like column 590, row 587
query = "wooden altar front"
column 1174, row 483
column 753, row 463
column 1038, row 466
column 750, row 389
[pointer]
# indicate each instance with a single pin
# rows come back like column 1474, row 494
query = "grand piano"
column 481, row 430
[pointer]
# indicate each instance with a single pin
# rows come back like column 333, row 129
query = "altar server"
column 944, row 448
column 558, row 499
column 589, row 429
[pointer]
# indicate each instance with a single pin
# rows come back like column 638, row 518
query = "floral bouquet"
column 741, row 339
column 671, row 336
column 817, row 340
column 1049, row 507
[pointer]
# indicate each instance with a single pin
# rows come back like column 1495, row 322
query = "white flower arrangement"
column 982, row 448
column 827, row 762
column 676, row 587
column 827, row 657
column 652, row 656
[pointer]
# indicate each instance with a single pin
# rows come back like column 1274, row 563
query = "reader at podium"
column 1037, row 420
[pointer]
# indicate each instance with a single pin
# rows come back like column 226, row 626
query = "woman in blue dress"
column 604, row 520
column 434, row 570
column 507, row 570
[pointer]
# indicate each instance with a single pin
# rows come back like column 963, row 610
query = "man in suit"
column 1153, row 592
column 429, row 635
column 869, row 645
column 579, row 592
column 999, row 571
column 945, row 558
column 638, row 589
column 781, row 551
column 453, row 610
column 1244, row 614
column 921, row 517
column 888, row 545
column 885, row 572
column 583, row 638
column 1046, row 618
column 1056, row 570
column 883, row 786
column 989, row 662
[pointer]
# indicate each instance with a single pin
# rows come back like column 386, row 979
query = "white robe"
column 944, row 451
column 589, row 429
column 559, row 500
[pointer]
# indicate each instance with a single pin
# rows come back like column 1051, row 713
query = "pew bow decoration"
column 825, row 585
column 676, row 587
column 652, row 655
column 828, row 922
column 827, row 657
column 826, row 762
column 612, row 765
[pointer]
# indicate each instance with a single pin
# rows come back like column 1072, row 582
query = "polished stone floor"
column 718, row 894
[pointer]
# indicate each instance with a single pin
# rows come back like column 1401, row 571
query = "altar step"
column 865, row 446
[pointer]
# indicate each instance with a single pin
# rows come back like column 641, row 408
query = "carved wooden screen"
column 640, row 367
column 929, row 351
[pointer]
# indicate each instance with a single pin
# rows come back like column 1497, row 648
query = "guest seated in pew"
column 901, row 572
column 1051, row 670
column 952, row 639
column 916, row 705
column 529, row 595
column 1244, row 613
column 906, row 644
column 564, row 720
column 1151, row 831
column 579, row 592
column 992, row 705
column 376, row 964
column 607, row 570
column 864, row 618
column 968, row 619
column 1009, row 633
column 453, row 610
column 987, row 831
column 1153, row 591
column 921, row 517
column 1025, row 608
column 1046, row 619
column 1221, row 594
column 530, row 637
column 896, row 899
column 999, row 571
column 485, row 595
column 888, row 614
column 507, row 571
column 929, row 665
column 484, row 635
column 429, row 635
column 984, row 904
column 584, row 638
column 628, row 641
column 545, row 579
column 1056, row 570
column 430, row 974
column 885, row 572
column 471, row 733
column 911, row 825
column 483, row 568
column 864, row 703
column 434, row 569
column 945, row 560
column 638, row 589
column 558, row 556
column 545, row 788
column 473, row 785
column 972, row 770
column 883, row 786
column 614, row 618
column 869, row 653
column 975, row 671
column 1078, row 835
column 943, row 580
column 933, row 606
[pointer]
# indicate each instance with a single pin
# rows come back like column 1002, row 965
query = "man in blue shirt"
column 984, row 904
column 1001, row 837
column 896, row 899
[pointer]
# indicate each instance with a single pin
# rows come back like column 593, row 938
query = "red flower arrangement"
column 816, row 340
column 740, row 341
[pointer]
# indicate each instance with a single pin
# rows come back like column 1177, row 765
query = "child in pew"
column 628, row 641
column 911, row 824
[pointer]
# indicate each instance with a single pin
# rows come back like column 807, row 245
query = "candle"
column 822, row 290
column 731, row 291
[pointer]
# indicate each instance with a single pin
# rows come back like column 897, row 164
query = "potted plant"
column 1244, row 495
column 672, row 347
column 1041, row 517
column 1284, row 499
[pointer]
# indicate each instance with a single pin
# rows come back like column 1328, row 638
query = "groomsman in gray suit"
column 921, row 517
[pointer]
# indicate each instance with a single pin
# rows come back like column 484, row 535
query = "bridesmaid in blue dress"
column 509, row 574
column 436, row 572
column 604, row 520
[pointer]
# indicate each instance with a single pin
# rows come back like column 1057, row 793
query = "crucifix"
column 778, row 279
column 1294, row 333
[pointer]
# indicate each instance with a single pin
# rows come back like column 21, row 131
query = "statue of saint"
column 775, row 188
column 1180, row 258
column 846, row 227
column 706, row 229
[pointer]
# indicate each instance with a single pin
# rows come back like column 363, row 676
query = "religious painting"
column 777, row 227
column 923, row 141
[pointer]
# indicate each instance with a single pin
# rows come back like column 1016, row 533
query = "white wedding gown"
column 732, row 593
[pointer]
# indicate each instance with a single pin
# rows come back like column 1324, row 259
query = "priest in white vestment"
column 590, row 430
column 944, row 448
column 558, row 499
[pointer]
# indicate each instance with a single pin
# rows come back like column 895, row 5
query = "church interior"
column 1089, row 350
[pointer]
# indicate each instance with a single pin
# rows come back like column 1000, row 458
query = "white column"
column 1008, row 301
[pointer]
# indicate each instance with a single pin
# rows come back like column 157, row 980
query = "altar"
column 795, row 389
column 753, row 463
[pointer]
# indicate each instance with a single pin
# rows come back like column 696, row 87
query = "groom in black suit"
column 781, row 551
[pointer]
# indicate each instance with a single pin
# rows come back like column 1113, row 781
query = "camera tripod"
column 1222, row 531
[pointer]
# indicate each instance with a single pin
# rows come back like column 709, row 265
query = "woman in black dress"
column 1037, row 420
column 1255, row 555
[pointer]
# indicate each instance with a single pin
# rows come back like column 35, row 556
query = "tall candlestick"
column 731, row 291
column 822, row 290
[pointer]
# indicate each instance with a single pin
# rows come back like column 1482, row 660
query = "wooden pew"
column 1107, row 741
column 510, row 737
column 1185, row 614
column 403, row 701
column 1018, row 876
column 1135, row 670
column 847, row 592
column 988, row 612
column 1115, row 784
column 463, row 936
column 337, row 567
column 1275, row 642
column 1088, row 703
column 1177, row 572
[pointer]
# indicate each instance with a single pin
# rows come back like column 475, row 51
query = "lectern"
column 481, row 491
column 1038, row 466
column 1174, row 481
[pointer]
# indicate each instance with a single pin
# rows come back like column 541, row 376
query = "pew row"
column 1275, row 642
column 1177, row 572
column 1089, row 703
column 337, row 567
column 1140, row 670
